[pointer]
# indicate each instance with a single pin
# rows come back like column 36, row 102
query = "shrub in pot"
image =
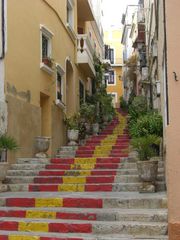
column 7, row 143
column 147, row 168
column 72, row 124
column 87, row 113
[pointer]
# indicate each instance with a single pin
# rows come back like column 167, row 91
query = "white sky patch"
column 113, row 10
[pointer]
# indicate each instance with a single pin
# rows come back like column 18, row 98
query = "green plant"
column 138, row 108
column 72, row 122
column 146, row 146
column 151, row 123
column 123, row 104
column 8, row 143
column 87, row 112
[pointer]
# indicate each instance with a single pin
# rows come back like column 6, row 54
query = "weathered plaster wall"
column 23, row 125
column 173, row 129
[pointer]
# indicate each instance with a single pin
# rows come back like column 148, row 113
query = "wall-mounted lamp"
column 175, row 76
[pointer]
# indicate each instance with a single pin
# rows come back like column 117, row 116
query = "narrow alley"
column 92, row 196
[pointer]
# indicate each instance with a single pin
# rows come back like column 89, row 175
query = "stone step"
column 95, row 172
column 72, row 236
column 89, row 179
column 103, row 187
column 68, row 148
column 69, row 160
column 121, row 200
column 142, row 215
column 90, row 227
column 89, row 166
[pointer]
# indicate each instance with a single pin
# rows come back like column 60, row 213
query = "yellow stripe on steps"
column 71, row 188
column 74, row 180
column 40, row 214
column 17, row 237
column 48, row 202
column 33, row 227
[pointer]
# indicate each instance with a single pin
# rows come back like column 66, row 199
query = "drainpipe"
column 165, row 49
column 2, row 30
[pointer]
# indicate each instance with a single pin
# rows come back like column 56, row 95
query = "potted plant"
column 87, row 112
column 72, row 124
column 147, row 168
column 7, row 143
column 42, row 144
column 95, row 125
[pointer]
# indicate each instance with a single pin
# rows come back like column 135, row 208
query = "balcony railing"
column 85, row 52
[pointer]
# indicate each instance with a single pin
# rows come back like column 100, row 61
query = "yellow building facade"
column 114, row 53
column 48, row 67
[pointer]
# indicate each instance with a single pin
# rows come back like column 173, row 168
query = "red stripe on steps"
column 43, row 188
column 105, row 172
column 83, row 202
column 100, row 179
column 13, row 213
column 20, row 202
column 76, row 216
column 48, row 180
column 62, row 160
column 2, row 237
column 50, row 238
column 98, row 188
column 51, row 173
column 11, row 226
column 70, row 228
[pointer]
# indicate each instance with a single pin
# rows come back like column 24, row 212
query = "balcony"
column 85, row 10
column 85, row 52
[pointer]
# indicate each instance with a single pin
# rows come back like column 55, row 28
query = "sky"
column 113, row 10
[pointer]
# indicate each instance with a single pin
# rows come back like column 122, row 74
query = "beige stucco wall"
column 173, row 129
column 26, row 83
column 113, row 38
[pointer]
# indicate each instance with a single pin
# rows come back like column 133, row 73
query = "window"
column 81, row 92
column 70, row 13
column 110, row 78
column 46, row 49
column 109, row 54
column 59, row 85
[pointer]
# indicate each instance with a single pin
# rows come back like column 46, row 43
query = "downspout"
column 165, row 49
column 3, row 30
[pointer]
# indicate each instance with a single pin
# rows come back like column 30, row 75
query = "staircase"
column 93, row 195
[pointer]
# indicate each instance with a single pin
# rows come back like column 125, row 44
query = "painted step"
column 96, row 172
column 91, row 227
column 89, row 179
column 55, row 236
column 143, row 215
column 74, row 160
column 105, row 187
column 121, row 200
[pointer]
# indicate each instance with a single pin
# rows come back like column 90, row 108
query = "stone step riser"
column 90, row 228
column 81, row 166
column 91, row 179
column 44, row 172
column 114, row 187
column 86, row 216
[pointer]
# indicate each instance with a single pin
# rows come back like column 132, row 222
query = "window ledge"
column 60, row 104
column 46, row 68
column 71, row 31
